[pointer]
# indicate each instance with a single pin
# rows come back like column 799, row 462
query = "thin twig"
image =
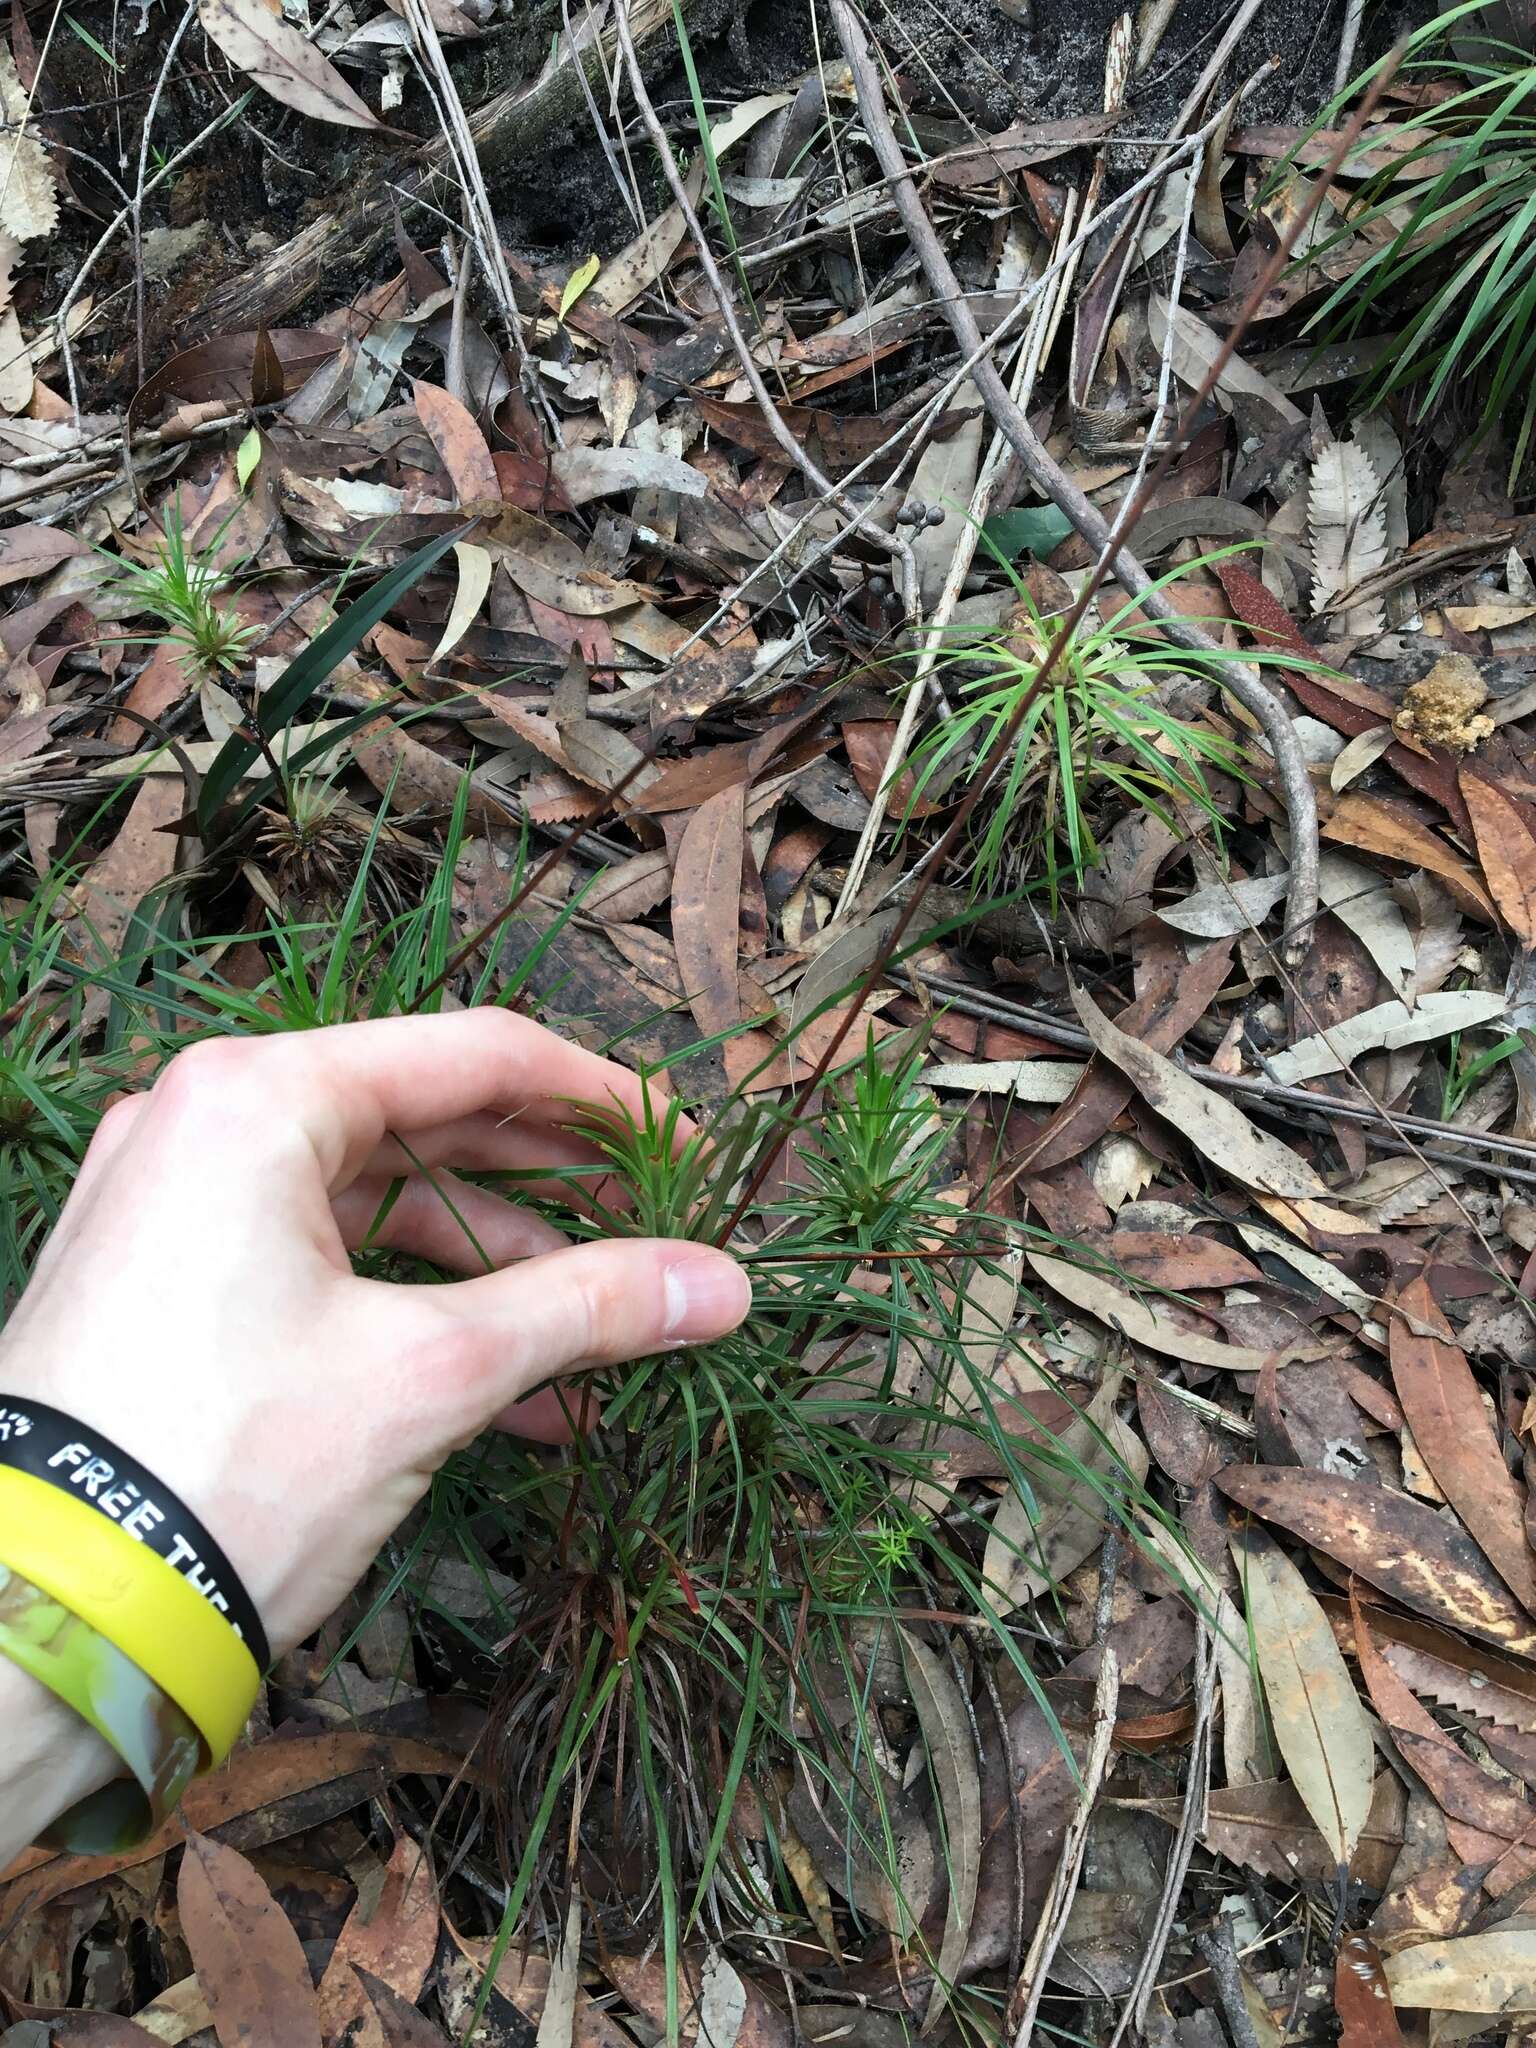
column 878, row 536
column 1254, row 695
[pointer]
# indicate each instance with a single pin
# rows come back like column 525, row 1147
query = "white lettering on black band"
column 79, row 1461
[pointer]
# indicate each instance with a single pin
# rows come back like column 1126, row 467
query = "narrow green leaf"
column 308, row 669
column 578, row 282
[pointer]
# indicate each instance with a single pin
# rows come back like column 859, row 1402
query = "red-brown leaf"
column 393, row 1941
column 461, row 447
column 1367, row 2018
column 1397, row 1543
column 1444, row 1409
column 1506, row 852
column 249, row 1960
column 706, row 894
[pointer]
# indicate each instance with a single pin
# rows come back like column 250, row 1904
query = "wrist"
column 49, row 1759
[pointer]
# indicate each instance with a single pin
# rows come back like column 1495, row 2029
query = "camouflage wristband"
column 152, row 1736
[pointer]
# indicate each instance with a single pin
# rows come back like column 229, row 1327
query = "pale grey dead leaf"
column 1321, row 1272
column 1139, row 1317
column 1027, row 1080
column 946, row 1727
column 557, row 2022
column 16, row 374
column 1364, row 749
column 1388, row 1027
column 1363, row 902
column 1223, row 908
column 722, row 2002
column 29, row 199
column 1346, row 520
column 587, row 473
column 1493, row 1972
column 946, row 477
column 274, row 55
column 475, row 566
column 1195, row 347
column 1215, row 1127
column 1319, row 1724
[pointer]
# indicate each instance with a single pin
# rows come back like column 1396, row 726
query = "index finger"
column 343, row 1087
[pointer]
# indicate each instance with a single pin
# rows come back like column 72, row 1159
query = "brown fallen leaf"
column 706, row 893
column 461, row 447
column 1506, row 851
column 1215, row 1126
column 393, row 1938
column 1376, row 825
column 1396, row 1543
column 1323, row 1736
column 1361, row 1998
column 142, row 855
column 249, row 1961
column 945, row 1722
column 401, row 2025
column 273, row 55
column 1462, row 1790
column 1264, row 1827
column 1444, row 1409
column 267, row 1776
column 1140, row 1318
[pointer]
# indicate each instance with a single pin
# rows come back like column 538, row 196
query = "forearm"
column 49, row 1758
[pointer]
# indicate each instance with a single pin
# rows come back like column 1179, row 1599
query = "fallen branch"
column 1053, row 482
column 502, row 134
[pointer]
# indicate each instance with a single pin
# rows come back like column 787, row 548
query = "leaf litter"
column 1180, row 1573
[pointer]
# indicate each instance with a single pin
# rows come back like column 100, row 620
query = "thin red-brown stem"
column 957, row 824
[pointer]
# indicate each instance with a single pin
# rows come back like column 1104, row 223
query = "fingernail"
column 707, row 1294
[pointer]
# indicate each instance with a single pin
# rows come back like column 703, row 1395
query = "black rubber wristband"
column 80, row 1461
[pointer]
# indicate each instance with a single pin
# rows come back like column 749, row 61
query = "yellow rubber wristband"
column 135, row 1599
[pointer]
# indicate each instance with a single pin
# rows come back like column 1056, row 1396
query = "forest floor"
column 956, row 586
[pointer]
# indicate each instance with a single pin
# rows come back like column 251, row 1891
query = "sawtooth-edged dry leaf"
column 1412, row 1553
column 1214, row 1126
column 1140, row 1318
column 1475, row 1973
column 946, row 1726
column 273, row 55
column 1386, row 1028
column 1347, row 525
column 29, row 198
column 1506, row 852
column 249, row 1960
column 1450, row 1425
column 1321, row 1731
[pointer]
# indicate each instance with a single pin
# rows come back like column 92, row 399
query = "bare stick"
column 887, row 542
column 1052, row 481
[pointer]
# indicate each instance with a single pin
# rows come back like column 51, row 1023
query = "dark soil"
column 259, row 182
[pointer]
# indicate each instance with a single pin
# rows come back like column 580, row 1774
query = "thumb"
column 594, row 1304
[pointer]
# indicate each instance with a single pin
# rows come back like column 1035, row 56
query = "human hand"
column 196, row 1303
